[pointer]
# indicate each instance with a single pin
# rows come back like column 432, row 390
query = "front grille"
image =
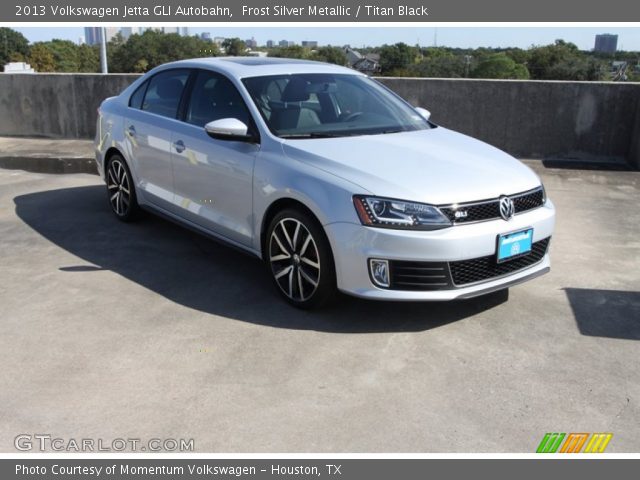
column 429, row 276
column 419, row 275
column 528, row 201
column 490, row 209
column 485, row 268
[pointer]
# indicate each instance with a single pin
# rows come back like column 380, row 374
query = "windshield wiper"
column 312, row 135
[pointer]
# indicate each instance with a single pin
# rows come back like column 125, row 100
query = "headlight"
column 389, row 213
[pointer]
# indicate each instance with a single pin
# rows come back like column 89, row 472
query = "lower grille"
column 430, row 276
column 486, row 268
column 419, row 275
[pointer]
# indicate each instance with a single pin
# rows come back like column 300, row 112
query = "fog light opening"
column 379, row 272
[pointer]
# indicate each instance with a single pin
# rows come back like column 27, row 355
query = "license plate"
column 514, row 244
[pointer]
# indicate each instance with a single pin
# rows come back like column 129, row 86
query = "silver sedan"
column 329, row 177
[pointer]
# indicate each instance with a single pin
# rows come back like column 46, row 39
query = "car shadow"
column 204, row 275
column 606, row 313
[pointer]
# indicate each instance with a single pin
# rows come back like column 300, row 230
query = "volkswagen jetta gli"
column 328, row 176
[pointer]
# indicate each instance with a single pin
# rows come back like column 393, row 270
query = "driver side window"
column 214, row 97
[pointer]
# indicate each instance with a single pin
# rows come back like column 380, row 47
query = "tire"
column 300, row 260
column 121, row 191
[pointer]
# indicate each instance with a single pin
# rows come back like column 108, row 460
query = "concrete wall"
column 585, row 120
column 538, row 119
column 55, row 105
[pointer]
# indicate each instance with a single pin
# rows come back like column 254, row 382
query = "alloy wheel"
column 119, row 187
column 294, row 259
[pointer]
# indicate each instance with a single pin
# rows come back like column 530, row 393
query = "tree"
column 500, row 65
column 143, row 52
column 88, row 58
column 12, row 43
column 41, row 58
column 65, row 54
column 563, row 61
column 440, row 66
column 331, row 55
column 292, row 51
column 234, row 47
column 396, row 57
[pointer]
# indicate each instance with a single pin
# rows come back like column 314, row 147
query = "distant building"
column 286, row 43
column 270, row 43
column 18, row 67
column 206, row 36
column 310, row 44
column 606, row 43
column 126, row 32
column 369, row 64
column 251, row 43
column 93, row 35
column 218, row 40
column 353, row 56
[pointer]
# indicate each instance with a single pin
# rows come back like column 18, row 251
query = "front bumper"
column 353, row 245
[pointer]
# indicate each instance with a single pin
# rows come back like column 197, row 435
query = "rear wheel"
column 300, row 259
column 120, row 189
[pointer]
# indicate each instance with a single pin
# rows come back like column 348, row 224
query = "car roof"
column 243, row 67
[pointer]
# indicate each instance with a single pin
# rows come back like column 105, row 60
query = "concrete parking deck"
column 148, row 330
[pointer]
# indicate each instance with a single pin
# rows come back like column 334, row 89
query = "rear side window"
column 138, row 96
column 164, row 92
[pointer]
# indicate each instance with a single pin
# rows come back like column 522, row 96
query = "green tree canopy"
column 292, row 51
column 396, row 57
column 234, row 47
column 12, row 44
column 500, row 65
column 143, row 52
column 330, row 55
column 41, row 58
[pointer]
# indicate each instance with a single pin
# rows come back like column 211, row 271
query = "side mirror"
column 229, row 129
column 423, row 112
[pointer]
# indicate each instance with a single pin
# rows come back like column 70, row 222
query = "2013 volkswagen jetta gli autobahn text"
column 331, row 178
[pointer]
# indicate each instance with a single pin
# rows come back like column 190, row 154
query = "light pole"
column 103, row 50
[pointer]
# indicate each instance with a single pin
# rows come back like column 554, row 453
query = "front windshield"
column 316, row 105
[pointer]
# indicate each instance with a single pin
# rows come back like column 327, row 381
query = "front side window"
column 214, row 97
column 164, row 92
column 329, row 105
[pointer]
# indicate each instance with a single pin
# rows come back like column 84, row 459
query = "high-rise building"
column 93, row 35
column 251, row 43
column 310, row 43
column 126, row 32
column 606, row 43
column 270, row 43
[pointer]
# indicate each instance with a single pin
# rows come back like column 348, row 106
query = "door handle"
column 131, row 131
column 179, row 146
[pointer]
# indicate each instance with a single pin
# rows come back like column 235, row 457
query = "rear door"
column 148, row 127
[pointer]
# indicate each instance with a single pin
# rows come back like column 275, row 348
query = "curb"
column 58, row 165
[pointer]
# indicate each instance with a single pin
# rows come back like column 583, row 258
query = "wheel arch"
column 276, row 207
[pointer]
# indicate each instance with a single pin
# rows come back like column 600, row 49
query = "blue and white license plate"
column 514, row 244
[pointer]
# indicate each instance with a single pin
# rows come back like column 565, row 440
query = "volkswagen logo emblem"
column 507, row 208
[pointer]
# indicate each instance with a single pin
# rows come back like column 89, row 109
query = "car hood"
column 436, row 166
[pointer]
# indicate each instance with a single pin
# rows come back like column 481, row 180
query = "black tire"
column 121, row 191
column 301, row 268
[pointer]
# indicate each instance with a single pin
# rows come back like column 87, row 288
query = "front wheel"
column 300, row 260
column 120, row 190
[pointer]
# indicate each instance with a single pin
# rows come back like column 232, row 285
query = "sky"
column 463, row 37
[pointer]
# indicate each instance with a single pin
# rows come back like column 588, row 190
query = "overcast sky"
column 628, row 38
